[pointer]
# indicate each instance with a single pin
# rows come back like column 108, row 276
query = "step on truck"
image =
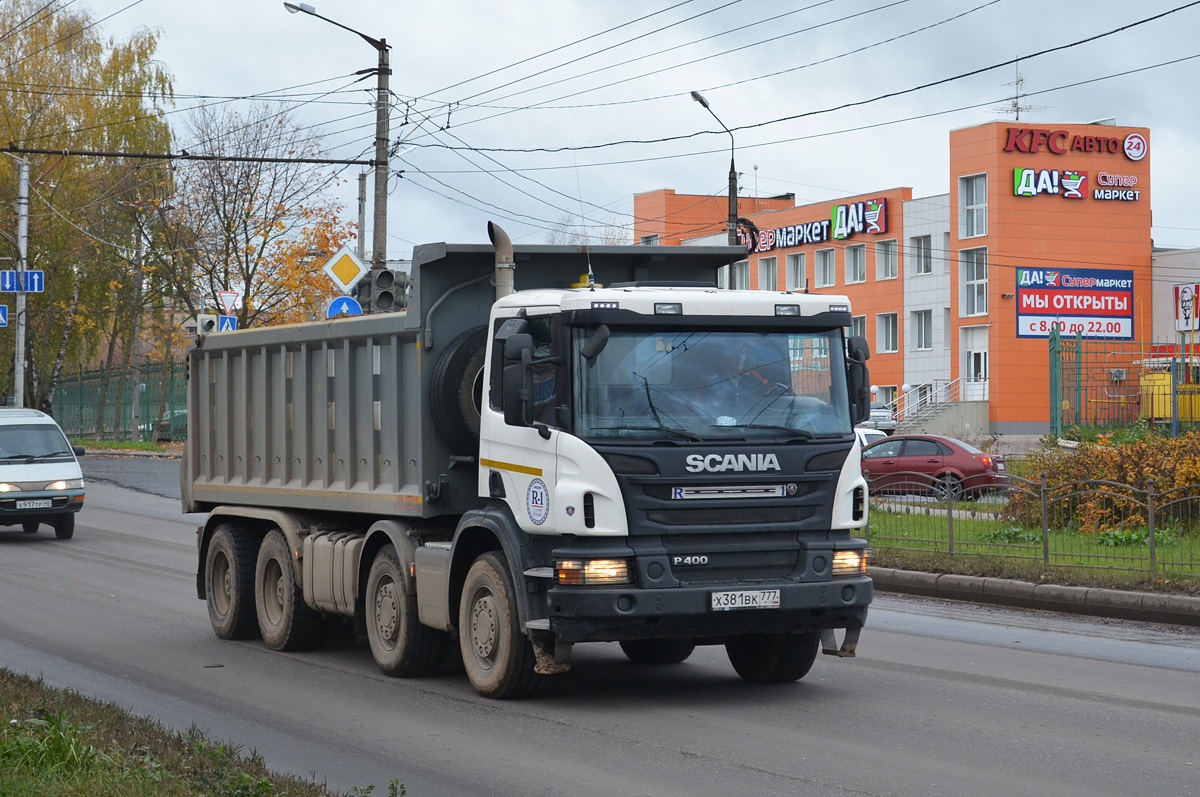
column 525, row 459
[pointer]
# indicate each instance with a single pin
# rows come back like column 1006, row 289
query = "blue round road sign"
column 344, row 305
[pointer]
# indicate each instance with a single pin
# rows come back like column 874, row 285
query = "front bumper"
column 591, row 614
column 61, row 502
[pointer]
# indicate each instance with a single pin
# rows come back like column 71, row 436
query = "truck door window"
column 546, row 373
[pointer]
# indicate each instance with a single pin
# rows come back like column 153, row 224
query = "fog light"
column 592, row 572
column 849, row 563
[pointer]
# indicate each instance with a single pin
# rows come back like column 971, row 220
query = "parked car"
column 868, row 436
column 882, row 418
column 40, row 478
column 928, row 463
column 173, row 426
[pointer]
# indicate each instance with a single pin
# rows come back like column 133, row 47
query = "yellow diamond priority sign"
column 345, row 269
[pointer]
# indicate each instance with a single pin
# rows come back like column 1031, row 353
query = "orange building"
column 1041, row 227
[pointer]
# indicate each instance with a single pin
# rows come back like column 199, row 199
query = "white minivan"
column 40, row 479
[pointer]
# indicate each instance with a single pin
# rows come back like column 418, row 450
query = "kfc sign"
column 1060, row 142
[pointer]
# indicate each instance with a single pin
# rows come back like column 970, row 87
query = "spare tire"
column 456, row 390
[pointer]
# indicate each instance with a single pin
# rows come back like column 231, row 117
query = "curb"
column 1094, row 601
column 116, row 452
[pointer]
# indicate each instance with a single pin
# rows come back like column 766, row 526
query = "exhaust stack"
column 505, row 264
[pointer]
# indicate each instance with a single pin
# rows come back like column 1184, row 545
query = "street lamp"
column 379, row 237
column 733, row 209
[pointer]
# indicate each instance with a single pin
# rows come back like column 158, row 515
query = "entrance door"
column 975, row 369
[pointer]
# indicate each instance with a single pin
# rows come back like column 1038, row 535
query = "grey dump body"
column 344, row 492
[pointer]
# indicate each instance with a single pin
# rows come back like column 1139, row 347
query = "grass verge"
column 56, row 741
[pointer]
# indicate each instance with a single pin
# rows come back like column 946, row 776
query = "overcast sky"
column 631, row 82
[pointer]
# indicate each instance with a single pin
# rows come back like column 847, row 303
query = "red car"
column 930, row 463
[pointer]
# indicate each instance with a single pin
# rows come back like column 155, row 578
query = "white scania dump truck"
column 502, row 474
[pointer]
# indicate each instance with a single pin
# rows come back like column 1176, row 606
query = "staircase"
column 916, row 409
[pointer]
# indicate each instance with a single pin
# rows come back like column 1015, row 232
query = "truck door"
column 520, row 457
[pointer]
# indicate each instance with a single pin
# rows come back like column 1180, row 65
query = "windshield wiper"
column 686, row 435
column 20, row 456
column 798, row 433
column 47, row 455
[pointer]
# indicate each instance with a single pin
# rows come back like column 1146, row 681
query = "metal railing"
column 98, row 404
column 1089, row 525
column 930, row 398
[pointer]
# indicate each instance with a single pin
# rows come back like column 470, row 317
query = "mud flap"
column 830, row 647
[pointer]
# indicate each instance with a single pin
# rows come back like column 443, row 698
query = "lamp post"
column 379, row 233
column 733, row 210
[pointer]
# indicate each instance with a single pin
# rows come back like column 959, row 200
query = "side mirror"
column 518, row 347
column 857, row 348
column 515, row 378
column 79, row 451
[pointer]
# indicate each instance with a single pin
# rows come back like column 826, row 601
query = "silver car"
column 882, row 418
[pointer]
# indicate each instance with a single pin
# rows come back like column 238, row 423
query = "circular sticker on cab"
column 537, row 502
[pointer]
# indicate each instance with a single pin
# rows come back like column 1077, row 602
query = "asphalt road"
column 943, row 699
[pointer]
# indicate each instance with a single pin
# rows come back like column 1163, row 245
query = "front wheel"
column 657, row 651
column 402, row 647
column 948, row 487
column 64, row 526
column 498, row 658
column 285, row 620
column 773, row 658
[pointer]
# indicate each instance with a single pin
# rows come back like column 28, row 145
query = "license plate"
column 745, row 599
column 35, row 503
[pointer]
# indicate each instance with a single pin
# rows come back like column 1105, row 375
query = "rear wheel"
column 229, row 583
column 773, row 658
column 657, row 651
column 498, row 658
column 30, row 526
column 285, row 620
column 402, row 647
column 948, row 487
column 64, row 526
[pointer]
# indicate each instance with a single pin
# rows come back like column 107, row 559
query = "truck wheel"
column 64, row 526
column 498, row 658
column 773, row 658
column 657, row 651
column 456, row 390
column 229, row 583
column 402, row 647
column 30, row 526
column 285, row 620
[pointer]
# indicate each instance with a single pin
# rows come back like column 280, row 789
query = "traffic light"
column 388, row 290
column 205, row 323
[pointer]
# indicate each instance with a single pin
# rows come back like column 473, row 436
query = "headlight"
column 850, row 563
column 9, row 488
column 66, row 484
column 592, row 572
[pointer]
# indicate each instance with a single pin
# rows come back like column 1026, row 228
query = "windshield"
column 32, row 440
column 687, row 385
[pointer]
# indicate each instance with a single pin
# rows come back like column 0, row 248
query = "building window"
column 739, row 276
column 972, row 205
column 650, row 240
column 858, row 326
column 766, row 274
column 856, row 264
column 826, row 276
column 887, row 333
column 795, row 272
column 975, row 281
column 946, row 327
column 922, row 322
column 922, row 254
column 886, row 267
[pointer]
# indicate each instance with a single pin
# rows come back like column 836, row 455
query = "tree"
column 567, row 231
column 262, row 228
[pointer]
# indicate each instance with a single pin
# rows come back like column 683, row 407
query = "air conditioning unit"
column 1116, row 374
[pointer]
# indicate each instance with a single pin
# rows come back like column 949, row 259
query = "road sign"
column 35, row 281
column 344, row 305
column 229, row 300
column 345, row 269
column 3, row 315
column 226, row 323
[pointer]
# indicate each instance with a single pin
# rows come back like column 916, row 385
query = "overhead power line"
column 181, row 156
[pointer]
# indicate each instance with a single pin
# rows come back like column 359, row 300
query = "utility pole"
column 362, row 216
column 733, row 177
column 22, row 249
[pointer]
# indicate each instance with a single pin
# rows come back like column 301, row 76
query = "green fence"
column 98, row 405
column 1100, row 383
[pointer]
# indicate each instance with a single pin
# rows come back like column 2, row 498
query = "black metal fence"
column 98, row 405
column 1094, row 525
